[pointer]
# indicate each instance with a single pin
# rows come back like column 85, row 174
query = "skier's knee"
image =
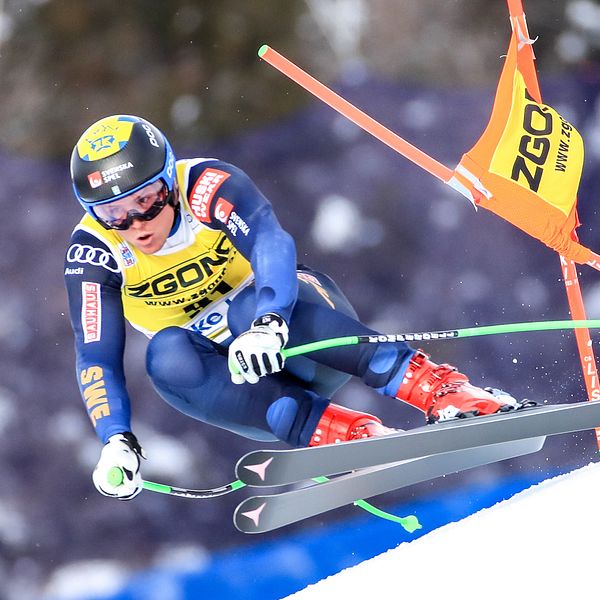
column 293, row 421
column 281, row 417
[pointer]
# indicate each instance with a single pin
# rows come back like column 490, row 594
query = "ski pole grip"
column 116, row 476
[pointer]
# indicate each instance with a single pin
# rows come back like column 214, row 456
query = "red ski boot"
column 443, row 393
column 340, row 424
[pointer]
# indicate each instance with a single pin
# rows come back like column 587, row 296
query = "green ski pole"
column 425, row 336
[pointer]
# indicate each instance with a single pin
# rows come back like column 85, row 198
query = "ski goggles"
column 146, row 204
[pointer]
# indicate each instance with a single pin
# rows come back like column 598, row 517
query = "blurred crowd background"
column 410, row 253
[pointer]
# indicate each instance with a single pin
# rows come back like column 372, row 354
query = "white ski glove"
column 257, row 352
column 117, row 473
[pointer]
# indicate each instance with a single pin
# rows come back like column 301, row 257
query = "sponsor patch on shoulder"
column 91, row 255
column 126, row 254
column 223, row 210
column 204, row 191
column 225, row 213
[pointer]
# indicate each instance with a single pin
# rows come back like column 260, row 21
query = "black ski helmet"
column 116, row 156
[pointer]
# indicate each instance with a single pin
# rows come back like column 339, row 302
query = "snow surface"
column 541, row 543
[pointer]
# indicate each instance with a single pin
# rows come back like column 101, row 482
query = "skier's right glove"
column 257, row 352
column 117, row 473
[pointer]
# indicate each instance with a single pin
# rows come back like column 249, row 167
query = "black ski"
column 258, row 514
column 280, row 467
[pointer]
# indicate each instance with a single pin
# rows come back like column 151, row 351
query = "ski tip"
column 253, row 468
column 247, row 517
column 263, row 50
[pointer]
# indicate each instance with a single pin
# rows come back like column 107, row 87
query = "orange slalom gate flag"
column 527, row 164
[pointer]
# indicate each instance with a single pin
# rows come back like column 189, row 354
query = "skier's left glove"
column 117, row 473
column 257, row 352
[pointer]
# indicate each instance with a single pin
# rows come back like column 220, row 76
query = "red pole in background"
column 526, row 58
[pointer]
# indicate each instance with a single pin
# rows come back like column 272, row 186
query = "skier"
column 190, row 253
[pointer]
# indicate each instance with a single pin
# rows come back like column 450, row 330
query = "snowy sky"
column 538, row 544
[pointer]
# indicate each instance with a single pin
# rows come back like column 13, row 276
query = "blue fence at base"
column 275, row 569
